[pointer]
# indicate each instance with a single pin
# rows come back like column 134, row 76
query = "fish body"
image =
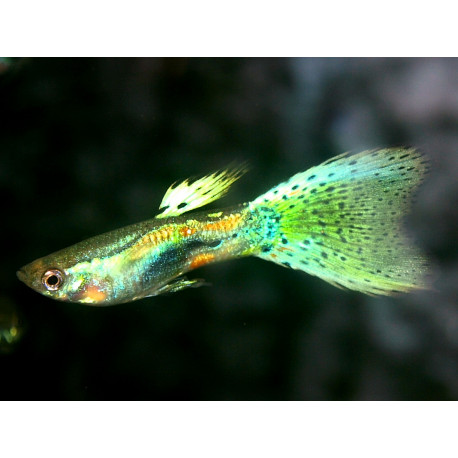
column 144, row 259
column 341, row 221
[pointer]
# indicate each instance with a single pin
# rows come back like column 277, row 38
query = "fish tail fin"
column 343, row 221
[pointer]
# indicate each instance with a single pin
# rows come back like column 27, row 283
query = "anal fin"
column 178, row 284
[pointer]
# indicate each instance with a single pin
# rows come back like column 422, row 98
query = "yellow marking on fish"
column 215, row 215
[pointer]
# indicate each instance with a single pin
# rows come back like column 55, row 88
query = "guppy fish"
column 340, row 221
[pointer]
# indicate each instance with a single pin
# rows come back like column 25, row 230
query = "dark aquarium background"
column 90, row 145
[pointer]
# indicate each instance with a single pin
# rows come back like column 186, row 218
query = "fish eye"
column 52, row 279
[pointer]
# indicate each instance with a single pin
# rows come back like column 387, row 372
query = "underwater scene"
column 204, row 169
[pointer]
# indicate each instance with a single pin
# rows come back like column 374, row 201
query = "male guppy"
column 340, row 221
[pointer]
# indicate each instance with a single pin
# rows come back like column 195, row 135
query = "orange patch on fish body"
column 186, row 231
column 91, row 294
column 226, row 224
column 201, row 260
column 94, row 293
column 151, row 239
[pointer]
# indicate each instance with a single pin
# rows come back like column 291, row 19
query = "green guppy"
column 341, row 221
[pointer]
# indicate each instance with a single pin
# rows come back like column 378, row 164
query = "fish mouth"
column 21, row 275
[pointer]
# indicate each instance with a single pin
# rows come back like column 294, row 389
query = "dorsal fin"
column 191, row 194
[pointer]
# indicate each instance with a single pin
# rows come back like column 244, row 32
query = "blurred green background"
column 90, row 145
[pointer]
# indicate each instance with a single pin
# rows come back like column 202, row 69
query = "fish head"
column 53, row 276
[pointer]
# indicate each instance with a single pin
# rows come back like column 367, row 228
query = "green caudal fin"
column 343, row 221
